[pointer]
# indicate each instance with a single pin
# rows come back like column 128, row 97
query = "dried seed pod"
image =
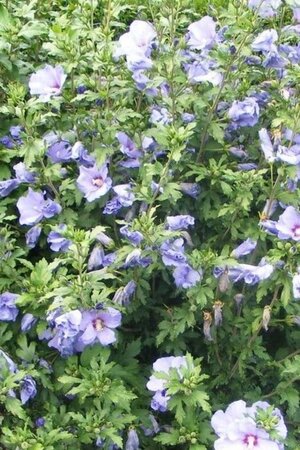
column 266, row 317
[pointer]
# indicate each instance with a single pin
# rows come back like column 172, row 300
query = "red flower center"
column 98, row 324
column 251, row 441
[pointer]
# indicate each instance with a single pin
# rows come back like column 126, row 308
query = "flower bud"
column 266, row 317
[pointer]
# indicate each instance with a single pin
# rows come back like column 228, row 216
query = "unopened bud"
column 224, row 281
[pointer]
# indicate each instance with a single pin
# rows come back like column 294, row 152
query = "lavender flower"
column 47, row 82
column 173, row 252
column 60, row 151
column 191, row 189
column 7, row 186
column 125, row 194
column 58, row 243
column 265, row 8
column 186, row 277
column 80, row 154
column 243, row 428
column 33, row 208
column 8, row 309
column 98, row 326
column 132, row 442
column 180, row 222
column 32, row 236
column 28, row 389
column 288, row 225
column 296, row 285
column 159, row 385
column 202, row 34
column 8, row 362
column 160, row 116
column 22, row 174
column 135, row 237
column 244, row 249
column 66, row 330
column 27, row 322
column 40, row 422
column 244, row 113
column 135, row 258
column 136, row 45
column 265, row 41
column 266, row 145
column 94, row 182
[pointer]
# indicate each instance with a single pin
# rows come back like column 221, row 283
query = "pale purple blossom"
column 202, row 34
column 58, row 243
column 185, row 276
column 288, row 225
column 47, row 82
column 159, row 385
column 290, row 155
column 65, row 331
column 266, row 145
column 132, row 442
column 34, row 207
column 27, row 322
column 241, row 428
column 7, row 186
column 22, row 174
column 98, row 327
column 181, row 222
column 80, row 154
column 244, row 249
column 244, row 113
column 12, row 367
column 296, row 285
column 191, row 189
column 60, row 151
column 265, row 41
column 32, row 236
column 265, row 8
column 8, row 309
column 28, row 389
column 172, row 252
column 135, row 237
column 124, row 194
column 135, row 258
column 94, row 182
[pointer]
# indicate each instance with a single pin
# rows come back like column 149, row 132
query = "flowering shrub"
column 150, row 271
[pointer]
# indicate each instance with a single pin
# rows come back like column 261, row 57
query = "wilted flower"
column 224, row 281
column 8, row 309
column 180, row 222
column 98, row 326
column 159, row 385
column 266, row 317
column 47, row 82
column 33, row 208
column 186, row 277
column 207, row 321
column 8, row 362
column 241, row 427
column 123, row 294
column 32, row 236
column 239, row 298
column 244, row 249
column 191, row 189
column 94, row 182
column 28, row 389
column 135, row 258
column 202, row 34
column 58, row 243
column 244, row 113
column 217, row 307
column 80, row 154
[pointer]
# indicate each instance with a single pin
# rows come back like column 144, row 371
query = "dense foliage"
column 150, row 238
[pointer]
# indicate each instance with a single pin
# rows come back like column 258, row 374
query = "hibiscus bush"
column 150, row 239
